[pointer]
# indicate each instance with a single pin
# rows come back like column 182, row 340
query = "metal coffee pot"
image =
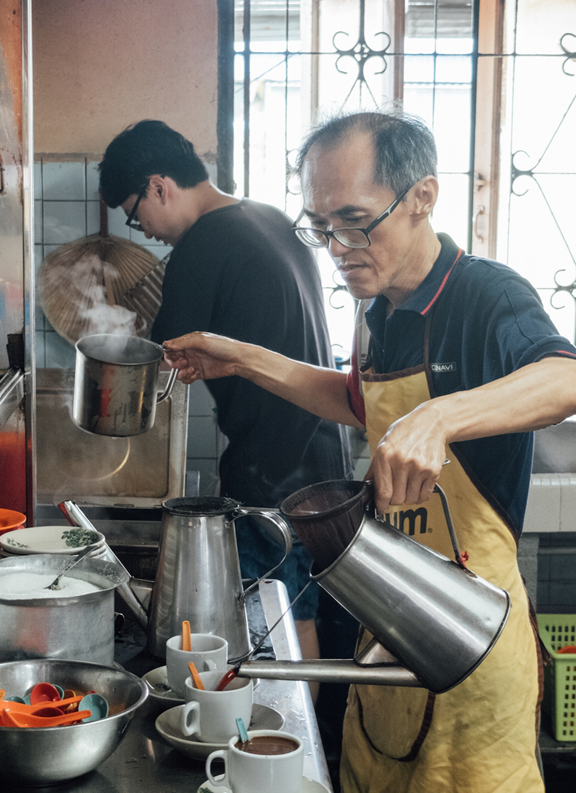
column 433, row 620
column 198, row 576
column 116, row 384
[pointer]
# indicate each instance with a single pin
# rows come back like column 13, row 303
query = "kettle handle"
column 169, row 386
column 279, row 530
column 460, row 558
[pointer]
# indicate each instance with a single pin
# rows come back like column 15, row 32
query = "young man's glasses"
column 130, row 221
column 350, row 237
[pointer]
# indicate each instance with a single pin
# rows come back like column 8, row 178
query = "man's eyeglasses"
column 130, row 221
column 350, row 237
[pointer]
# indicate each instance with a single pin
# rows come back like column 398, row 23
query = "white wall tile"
column 92, row 181
column 37, row 180
column 38, row 222
column 64, row 221
column 92, row 217
column 40, row 350
column 38, row 256
column 117, row 223
column 543, row 508
column 64, row 181
column 59, row 353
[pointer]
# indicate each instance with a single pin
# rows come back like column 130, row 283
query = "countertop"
column 145, row 762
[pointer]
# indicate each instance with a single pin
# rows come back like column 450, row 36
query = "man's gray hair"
column 404, row 145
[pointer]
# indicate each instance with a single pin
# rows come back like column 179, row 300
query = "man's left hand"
column 409, row 458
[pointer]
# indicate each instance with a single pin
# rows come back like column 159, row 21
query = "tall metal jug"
column 198, row 577
column 435, row 616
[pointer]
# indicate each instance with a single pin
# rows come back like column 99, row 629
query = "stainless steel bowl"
column 55, row 754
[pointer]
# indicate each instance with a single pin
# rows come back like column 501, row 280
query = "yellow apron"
column 481, row 736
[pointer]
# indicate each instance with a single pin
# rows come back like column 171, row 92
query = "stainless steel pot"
column 116, row 384
column 79, row 628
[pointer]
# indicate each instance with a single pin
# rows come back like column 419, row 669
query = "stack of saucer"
column 65, row 540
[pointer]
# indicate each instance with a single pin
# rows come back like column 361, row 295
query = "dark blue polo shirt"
column 483, row 321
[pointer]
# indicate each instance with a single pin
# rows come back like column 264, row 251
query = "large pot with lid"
column 78, row 627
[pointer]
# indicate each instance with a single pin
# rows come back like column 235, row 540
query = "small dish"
column 50, row 539
column 168, row 725
column 308, row 786
column 158, row 688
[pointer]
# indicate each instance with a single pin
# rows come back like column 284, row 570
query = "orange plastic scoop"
column 195, row 676
column 186, row 642
column 13, row 719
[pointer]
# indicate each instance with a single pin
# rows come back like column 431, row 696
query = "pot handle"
column 169, row 386
column 277, row 527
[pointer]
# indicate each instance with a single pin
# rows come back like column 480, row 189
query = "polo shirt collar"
column 425, row 295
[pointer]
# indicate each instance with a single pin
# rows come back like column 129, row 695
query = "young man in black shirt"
column 237, row 270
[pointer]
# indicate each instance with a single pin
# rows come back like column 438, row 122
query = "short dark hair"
column 405, row 146
column 142, row 150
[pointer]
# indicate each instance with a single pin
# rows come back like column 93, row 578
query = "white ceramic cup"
column 208, row 652
column 210, row 716
column 259, row 773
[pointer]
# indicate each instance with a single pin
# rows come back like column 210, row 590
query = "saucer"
column 160, row 691
column 308, row 786
column 168, row 725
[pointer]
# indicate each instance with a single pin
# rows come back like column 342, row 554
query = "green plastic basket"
column 559, row 630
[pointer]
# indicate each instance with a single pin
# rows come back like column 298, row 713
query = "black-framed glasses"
column 130, row 220
column 350, row 237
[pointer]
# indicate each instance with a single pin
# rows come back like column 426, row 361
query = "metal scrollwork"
column 571, row 54
column 361, row 53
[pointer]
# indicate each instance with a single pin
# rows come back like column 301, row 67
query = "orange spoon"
column 195, row 676
column 18, row 707
column 186, row 641
column 13, row 719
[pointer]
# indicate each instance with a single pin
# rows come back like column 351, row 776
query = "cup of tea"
column 209, row 715
column 208, row 653
column 271, row 760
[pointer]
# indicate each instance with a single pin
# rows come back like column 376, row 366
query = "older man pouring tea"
column 455, row 357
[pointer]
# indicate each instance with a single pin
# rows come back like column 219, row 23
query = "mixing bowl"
column 48, row 755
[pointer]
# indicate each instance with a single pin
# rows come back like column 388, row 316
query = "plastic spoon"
column 44, row 692
column 56, row 583
column 242, row 731
column 195, row 676
column 12, row 719
column 19, row 706
column 186, row 641
column 96, row 705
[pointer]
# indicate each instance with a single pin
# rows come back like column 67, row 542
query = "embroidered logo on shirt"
column 443, row 367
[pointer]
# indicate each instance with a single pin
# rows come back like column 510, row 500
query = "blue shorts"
column 258, row 552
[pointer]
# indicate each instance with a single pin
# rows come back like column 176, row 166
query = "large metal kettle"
column 198, row 576
column 431, row 614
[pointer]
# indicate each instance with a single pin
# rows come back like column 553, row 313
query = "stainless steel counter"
column 145, row 762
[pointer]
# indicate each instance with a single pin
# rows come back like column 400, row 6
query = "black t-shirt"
column 241, row 272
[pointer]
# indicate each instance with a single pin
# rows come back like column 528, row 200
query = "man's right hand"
column 203, row 356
